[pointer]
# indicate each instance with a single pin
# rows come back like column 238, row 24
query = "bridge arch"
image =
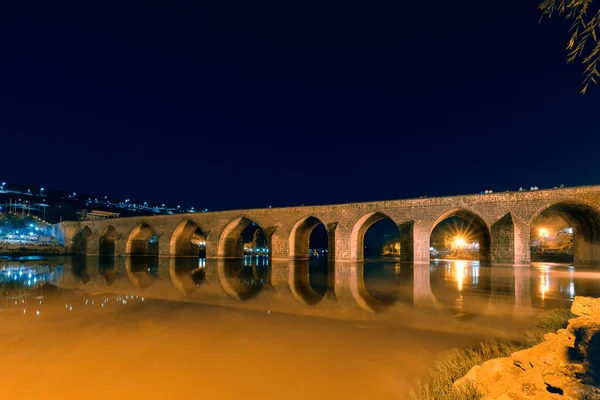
column 108, row 241
column 357, row 236
column 477, row 230
column 300, row 237
column 188, row 240
column 584, row 219
column 80, row 241
column 230, row 244
column 142, row 241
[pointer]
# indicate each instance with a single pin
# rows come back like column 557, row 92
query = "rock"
column 563, row 366
column 486, row 376
column 583, row 328
column 585, row 306
column 592, row 357
column 543, row 355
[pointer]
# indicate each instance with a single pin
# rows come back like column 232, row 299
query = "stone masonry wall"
column 506, row 216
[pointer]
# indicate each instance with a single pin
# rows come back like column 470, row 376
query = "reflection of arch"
column 137, row 268
column 585, row 221
column 184, row 239
column 138, row 242
column 300, row 237
column 240, row 282
column 108, row 241
column 360, row 292
column 187, row 274
column 299, row 281
column 79, row 268
column 108, row 272
column 80, row 240
column 480, row 227
column 357, row 237
column 229, row 244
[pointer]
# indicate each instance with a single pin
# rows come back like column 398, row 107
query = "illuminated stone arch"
column 481, row 229
column 138, row 239
column 181, row 243
column 229, row 246
column 300, row 237
column 357, row 236
column 108, row 241
column 584, row 218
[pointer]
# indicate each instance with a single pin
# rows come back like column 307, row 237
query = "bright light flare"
column 543, row 232
column 459, row 242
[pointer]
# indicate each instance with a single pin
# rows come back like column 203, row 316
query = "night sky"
column 234, row 105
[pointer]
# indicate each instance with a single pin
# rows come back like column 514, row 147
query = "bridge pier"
column 93, row 245
column 414, row 242
column 586, row 252
column 510, row 241
column 277, row 241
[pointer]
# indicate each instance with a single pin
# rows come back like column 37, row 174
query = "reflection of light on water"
column 571, row 281
column 460, row 273
column 545, row 282
column 475, row 273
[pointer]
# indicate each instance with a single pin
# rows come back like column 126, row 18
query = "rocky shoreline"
column 566, row 365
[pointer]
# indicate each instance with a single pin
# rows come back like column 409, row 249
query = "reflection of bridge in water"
column 395, row 292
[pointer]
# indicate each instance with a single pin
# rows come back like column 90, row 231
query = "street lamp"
column 544, row 233
column 459, row 242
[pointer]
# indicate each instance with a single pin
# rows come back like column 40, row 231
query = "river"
column 156, row 328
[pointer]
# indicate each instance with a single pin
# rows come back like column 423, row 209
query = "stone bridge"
column 501, row 221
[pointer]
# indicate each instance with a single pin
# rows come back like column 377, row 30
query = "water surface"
column 158, row 328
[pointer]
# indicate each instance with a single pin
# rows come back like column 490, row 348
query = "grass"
column 458, row 362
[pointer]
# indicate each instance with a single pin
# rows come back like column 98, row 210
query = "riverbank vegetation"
column 458, row 362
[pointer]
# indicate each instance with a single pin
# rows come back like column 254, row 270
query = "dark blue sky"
column 233, row 105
